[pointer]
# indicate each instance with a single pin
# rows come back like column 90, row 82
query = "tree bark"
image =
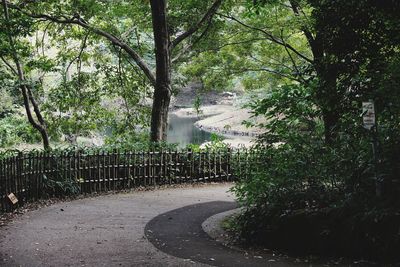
column 328, row 100
column 327, row 95
column 162, row 88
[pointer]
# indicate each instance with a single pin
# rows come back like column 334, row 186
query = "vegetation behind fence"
column 42, row 174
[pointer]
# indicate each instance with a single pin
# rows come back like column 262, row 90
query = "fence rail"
column 33, row 176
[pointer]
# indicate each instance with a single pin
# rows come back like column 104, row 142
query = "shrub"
column 310, row 196
column 15, row 129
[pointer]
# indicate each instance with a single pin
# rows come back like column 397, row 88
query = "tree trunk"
column 331, row 119
column 40, row 127
column 329, row 100
column 162, row 88
column 45, row 136
column 27, row 95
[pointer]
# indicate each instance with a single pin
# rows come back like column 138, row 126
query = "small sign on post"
column 368, row 112
column 369, row 123
column 13, row 198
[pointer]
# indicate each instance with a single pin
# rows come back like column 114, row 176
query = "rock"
column 228, row 94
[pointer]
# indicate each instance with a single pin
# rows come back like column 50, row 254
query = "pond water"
column 183, row 132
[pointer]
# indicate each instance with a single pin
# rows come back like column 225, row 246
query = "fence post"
column 3, row 185
column 22, row 185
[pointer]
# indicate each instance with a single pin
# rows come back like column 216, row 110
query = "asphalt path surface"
column 99, row 231
column 179, row 233
column 142, row 228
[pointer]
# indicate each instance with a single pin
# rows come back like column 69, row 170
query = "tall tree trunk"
column 329, row 100
column 326, row 95
column 162, row 88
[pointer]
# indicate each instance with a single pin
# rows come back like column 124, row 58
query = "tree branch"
column 44, row 36
column 274, row 72
column 13, row 70
column 269, row 35
column 83, row 45
column 190, row 46
column 292, row 59
column 269, row 71
column 218, row 48
column 77, row 20
column 276, row 63
column 310, row 38
column 207, row 17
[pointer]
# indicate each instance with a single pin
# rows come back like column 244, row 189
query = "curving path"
column 111, row 231
column 179, row 232
column 100, row 231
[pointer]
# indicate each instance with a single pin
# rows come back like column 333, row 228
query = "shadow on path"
column 179, row 233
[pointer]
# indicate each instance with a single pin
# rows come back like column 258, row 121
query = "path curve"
column 99, row 231
column 179, row 233
column 110, row 230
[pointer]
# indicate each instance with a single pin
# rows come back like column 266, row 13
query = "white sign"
column 368, row 114
column 13, row 198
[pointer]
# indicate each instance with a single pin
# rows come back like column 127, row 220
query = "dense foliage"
column 332, row 193
column 306, row 66
column 90, row 66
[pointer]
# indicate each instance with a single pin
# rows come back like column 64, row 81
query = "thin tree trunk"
column 25, row 90
column 162, row 88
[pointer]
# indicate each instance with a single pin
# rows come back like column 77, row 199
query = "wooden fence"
column 36, row 175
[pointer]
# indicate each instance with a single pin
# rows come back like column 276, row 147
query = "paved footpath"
column 111, row 230
column 179, row 232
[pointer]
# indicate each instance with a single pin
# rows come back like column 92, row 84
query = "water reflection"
column 182, row 131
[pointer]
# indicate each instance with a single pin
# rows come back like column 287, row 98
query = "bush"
column 15, row 129
column 309, row 196
column 59, row 186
